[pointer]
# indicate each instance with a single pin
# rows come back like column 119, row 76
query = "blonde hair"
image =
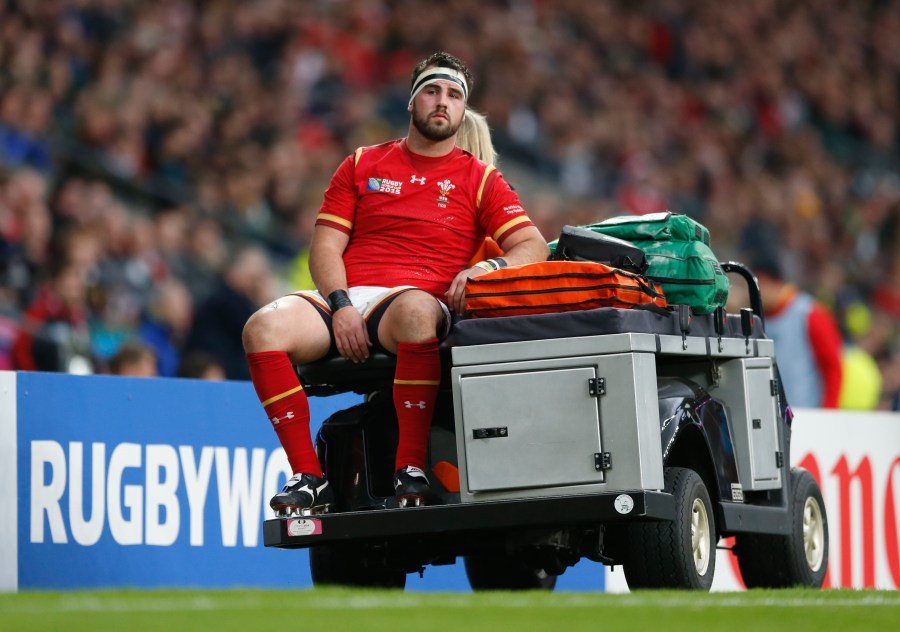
column 474, row 136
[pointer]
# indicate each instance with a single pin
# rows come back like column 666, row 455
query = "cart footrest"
column 447, row 520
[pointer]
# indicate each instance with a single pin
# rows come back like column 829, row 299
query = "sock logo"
column 419, row 404
column 277, row 420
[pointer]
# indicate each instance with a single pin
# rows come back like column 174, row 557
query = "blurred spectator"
column 134, row 359
column 25, row 234
column 9, row 330
column 173, row 130
column 865, row 335
column 860, row 380
column 165, row 324
column 887, row 293
column 207, row 252
column 201, row 365
column 247, row 284
column 115, row 317
column 24, row 118
column 808, row 342
column 889, row 365
column 54, row 333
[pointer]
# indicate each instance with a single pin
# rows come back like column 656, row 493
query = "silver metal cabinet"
column 534, row 425
column 746, row 386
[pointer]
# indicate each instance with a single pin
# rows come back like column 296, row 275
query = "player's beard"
column 432, row 129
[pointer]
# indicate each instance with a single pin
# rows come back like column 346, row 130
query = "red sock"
column 416, row 384
column 284, row 401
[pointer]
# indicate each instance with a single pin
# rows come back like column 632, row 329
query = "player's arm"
column 525, row 245
column 326, row 265
column 334, row 226
column 326, row 259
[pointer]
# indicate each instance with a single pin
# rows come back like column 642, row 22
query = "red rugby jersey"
column 415, row 220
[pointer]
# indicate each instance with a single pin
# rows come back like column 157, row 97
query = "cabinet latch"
column 490, row 433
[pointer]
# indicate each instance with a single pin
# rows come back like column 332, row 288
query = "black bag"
column 582, row 244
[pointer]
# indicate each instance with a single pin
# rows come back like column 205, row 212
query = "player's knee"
column 260, row 331
column 418, row 317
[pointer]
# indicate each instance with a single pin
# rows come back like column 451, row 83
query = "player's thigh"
column 413, row 316
column 291, row 324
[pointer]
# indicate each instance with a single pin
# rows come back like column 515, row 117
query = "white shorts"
column 368, row 298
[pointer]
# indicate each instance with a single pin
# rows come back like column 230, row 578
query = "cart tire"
column 680, row 553
column 345, row 565
column 797, row 559
column 505, row 572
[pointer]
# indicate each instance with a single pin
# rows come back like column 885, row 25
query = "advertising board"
column 130, row 482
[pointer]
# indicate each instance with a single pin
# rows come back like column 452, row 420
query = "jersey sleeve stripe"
column 484, row 179
column 513, row 223
column 356, row 155
column 334, row 219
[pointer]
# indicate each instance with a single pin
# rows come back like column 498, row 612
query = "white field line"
column 375, row 601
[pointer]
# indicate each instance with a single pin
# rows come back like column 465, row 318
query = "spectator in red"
column 887, row 293
column 808, row 342
column 54, row 333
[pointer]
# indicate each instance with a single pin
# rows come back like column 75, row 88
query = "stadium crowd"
column 161, row 163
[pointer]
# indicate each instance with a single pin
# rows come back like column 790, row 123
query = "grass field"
column 333, row 610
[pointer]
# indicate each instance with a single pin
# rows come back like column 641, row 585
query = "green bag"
column 689, row 273
column 665, row 226
column 677, row 249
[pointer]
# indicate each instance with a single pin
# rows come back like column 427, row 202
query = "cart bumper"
column 460, row 519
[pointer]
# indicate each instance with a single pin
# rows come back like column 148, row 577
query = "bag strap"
column 656, row 309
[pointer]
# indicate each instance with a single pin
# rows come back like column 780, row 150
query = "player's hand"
column 350, row 334
column 456, row 295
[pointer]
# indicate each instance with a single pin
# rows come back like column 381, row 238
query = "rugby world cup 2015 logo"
column 384, row 185
column 445, row 186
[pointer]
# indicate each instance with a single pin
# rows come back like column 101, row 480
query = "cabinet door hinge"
column 602, row 461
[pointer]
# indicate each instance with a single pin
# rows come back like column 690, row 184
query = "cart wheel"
column 675, row 554
column 346, row 565
column 797, row 559
column 505, row 572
